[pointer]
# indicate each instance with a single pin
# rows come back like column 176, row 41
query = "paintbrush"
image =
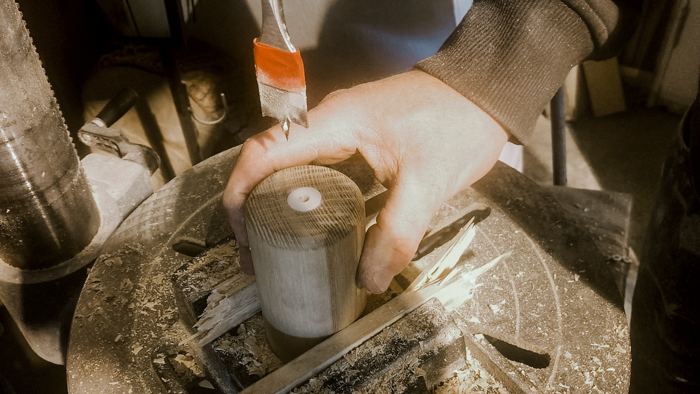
column 279, row 70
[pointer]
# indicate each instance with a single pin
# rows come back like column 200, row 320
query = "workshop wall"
column 680, row 81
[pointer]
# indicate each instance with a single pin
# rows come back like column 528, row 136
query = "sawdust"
column 113, row 261
column 126, row 285
column 497, row 308
column 187, row 371
column 136, row 349
column 105, row 263
column 410, row 355
column 185, row 367
column 471, row 380
column 398, row 379
column 202, row 274
column 374, row 301
column 249, row 346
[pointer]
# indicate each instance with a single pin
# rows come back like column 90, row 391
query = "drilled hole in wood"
column 304, row 199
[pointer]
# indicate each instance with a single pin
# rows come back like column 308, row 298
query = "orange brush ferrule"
column 279, row 68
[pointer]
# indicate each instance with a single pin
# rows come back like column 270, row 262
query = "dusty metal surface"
column 554, row 302
column 607, row 214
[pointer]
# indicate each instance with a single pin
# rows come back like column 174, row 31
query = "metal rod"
column 182, row 103
column 558, row 115
column 47, row 211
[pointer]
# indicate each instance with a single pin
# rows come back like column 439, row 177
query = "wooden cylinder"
column 306, row 230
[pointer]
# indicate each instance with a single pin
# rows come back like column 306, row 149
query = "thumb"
column 391, row 243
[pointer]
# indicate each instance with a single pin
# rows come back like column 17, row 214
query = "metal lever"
column 98, row 134
column 116, row 107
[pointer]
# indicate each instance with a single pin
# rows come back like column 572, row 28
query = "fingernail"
column 378, row 284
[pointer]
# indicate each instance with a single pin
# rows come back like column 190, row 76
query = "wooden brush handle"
column 306, row 245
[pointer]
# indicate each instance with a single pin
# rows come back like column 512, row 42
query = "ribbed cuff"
column 510, row 57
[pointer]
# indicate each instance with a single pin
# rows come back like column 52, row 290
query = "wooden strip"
column 326, row 353
column 432, row 349
column 317, row 359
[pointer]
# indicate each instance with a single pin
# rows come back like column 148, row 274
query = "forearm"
column 510, row 57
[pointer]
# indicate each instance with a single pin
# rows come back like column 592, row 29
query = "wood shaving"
column 473, row 379
column 203, row 273
column 126, row 286
column 186, row 367
column 249, row 347
column 137, row 349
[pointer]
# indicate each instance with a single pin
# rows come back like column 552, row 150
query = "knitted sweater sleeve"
column 510, row 56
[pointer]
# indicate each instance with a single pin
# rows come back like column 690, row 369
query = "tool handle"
column 118, row 106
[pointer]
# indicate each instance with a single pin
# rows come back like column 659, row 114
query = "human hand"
column 424, row 140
